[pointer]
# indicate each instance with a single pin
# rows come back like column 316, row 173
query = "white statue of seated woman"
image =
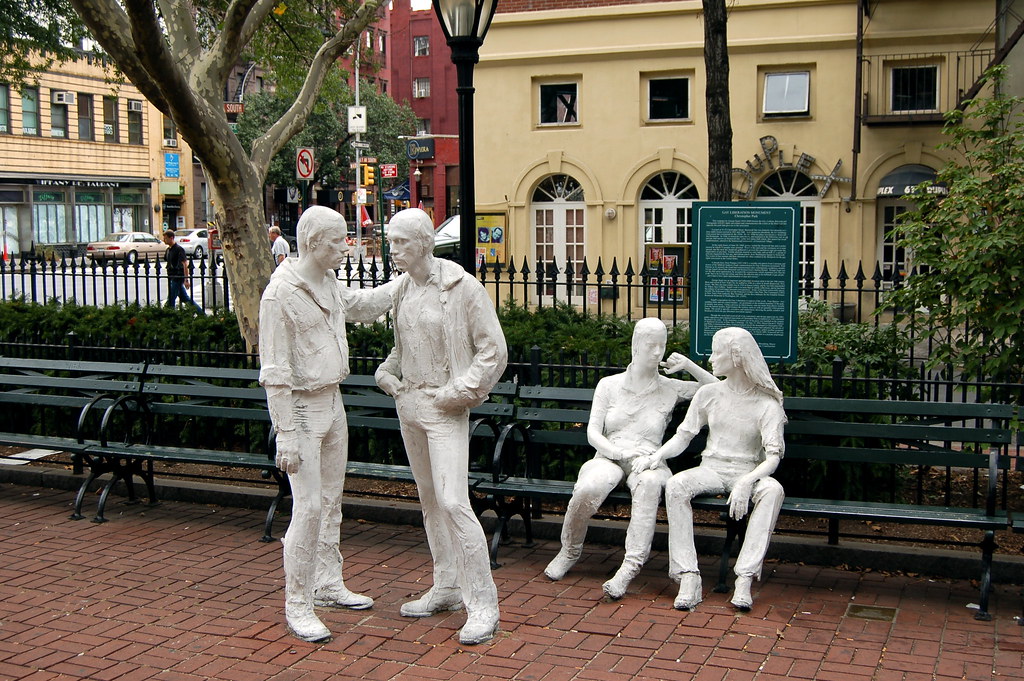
column 745, row 421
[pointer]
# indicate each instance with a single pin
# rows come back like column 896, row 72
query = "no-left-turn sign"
column 304, row 164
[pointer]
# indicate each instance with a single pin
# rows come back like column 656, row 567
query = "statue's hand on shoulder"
column 288, row 457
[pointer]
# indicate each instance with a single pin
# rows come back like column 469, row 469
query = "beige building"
column 81, row 156
column 591, row 135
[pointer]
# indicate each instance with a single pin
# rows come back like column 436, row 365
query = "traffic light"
column 368, row 175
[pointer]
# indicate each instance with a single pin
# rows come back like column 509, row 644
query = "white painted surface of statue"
column 303, row 359
column 745, row 421
column 627, row 420
column 449, row 352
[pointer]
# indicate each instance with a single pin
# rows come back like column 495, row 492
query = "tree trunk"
column 716, row 66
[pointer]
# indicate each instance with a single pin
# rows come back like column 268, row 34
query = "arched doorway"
column 666, row 223
column 558, row 218
column 787, row 184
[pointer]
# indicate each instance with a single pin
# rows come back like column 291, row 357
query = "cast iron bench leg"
column 734, row 529
column 282, row 490
column 988, row 546
column 80, row 497
column 101, row 505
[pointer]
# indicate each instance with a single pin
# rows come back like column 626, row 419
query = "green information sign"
column 744, row 272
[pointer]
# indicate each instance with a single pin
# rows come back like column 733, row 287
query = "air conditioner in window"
column 135, row 105
column 63, row 97
column 171, row 142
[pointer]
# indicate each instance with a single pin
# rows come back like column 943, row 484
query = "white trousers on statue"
column 437, row 443
column 312, row 556
column 710, row 478
column 597, row 478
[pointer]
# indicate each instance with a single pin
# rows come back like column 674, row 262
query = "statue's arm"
column 595, row 426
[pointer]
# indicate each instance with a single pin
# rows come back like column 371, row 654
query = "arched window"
column 559, row 223
column 787, row 184
column 666, row 221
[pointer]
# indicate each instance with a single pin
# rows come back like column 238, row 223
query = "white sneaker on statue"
column 559, row 565
column 434, row 601
column 741, row 598
column 691, row 591
column 304, row 624
column 341, row 597
column 479, row 628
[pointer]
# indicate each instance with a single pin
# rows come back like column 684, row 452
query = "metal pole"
column 465, row 55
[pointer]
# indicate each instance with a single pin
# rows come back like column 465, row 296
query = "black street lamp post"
column 465, row 23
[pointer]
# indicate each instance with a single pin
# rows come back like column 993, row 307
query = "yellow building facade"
column 591, row 131
column 81, row 156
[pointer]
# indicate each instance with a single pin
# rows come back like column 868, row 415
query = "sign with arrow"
column 304, row 164
column 356, row 119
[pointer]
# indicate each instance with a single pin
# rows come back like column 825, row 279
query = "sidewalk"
column 186, row 592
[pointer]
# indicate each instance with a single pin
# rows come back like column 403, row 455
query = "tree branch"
column 273, row 140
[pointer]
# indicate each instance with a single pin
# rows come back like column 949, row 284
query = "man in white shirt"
column 303, row 358
column 278, row 246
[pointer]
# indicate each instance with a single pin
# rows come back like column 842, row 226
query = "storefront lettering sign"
column 76, row 183
column 772, row 158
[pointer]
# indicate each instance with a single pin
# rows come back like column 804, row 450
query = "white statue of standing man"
column 303, row 359
column 449, row 352
column 745, row 421
column 628, row 418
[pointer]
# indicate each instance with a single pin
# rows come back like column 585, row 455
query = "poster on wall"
column 744, row 266
column 491, row 237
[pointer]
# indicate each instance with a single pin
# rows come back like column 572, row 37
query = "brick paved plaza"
column 186, row 592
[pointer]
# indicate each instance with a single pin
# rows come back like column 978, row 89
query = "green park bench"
column 896, row 440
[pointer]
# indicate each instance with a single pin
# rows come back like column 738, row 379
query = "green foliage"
column 35, row 34
column 117, row 325
column 326, row 131
column 864, row 348
column 967, row 290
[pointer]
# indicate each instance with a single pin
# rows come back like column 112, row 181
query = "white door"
column 559, row 238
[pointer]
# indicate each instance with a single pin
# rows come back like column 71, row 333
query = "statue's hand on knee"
column 739, row 498
column 644, row 463
column 288, row 458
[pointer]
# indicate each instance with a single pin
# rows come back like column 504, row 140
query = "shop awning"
column 399, row 192
column 904, row 180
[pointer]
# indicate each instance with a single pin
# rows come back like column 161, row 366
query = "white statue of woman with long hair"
column 745, row 421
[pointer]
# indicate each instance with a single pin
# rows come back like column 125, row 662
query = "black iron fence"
column 627, row 291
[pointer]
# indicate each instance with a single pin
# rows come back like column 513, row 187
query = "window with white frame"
column 420, row 87
column 423, row 126
column 892, row 257
column 421, row 46
column 559, row 103
column 5, row 108
column 787, row 93
column 914, row 88
column 668, row 99
column 30, row 111
column 59, row 120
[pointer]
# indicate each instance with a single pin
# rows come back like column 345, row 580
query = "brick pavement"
column 184, row 592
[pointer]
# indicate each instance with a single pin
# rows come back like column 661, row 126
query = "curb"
column 855, row 555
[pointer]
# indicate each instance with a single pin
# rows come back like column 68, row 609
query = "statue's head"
column 745, row 354
column 315, row 224
column 649, row 328
column 410, row 236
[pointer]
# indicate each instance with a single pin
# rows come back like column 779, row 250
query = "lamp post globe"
column 465, row 23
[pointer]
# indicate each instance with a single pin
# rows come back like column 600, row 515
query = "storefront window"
column 49, row 217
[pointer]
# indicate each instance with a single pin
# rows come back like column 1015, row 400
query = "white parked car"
column 447, row 238
column 195, row 242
